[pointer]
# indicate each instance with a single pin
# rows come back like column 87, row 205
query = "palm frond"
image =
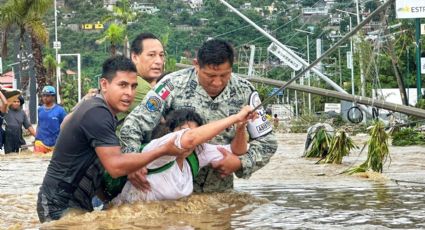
column 320, row 144
column 340, row 147
column 378, row 152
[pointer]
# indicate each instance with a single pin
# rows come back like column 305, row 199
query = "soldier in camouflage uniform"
column 213, row 91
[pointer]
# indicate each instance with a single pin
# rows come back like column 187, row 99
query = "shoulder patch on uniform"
column 193, row 84
column 153, row 104
column 163, row 90
column 246, row 83
column 169, row 85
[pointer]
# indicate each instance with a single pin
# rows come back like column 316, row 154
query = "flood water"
column 289, row 193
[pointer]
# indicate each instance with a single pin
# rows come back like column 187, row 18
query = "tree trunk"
column 113, row 49
column 40, row 70
column 126, row 47
column 23, row 82
column 396, row 68
column 4, row 42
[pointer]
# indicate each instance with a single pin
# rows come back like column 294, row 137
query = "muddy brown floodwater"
column 289, row 193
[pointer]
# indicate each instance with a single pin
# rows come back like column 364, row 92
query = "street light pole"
column 362, row 77
column 418, row 58
column 351, row 59
column 55, row 46
column 307, row 74
column 339, row 66
column 351, row 50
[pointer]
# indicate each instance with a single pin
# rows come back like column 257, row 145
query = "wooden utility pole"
column 344, row 96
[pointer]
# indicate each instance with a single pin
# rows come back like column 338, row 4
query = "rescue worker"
column 87, row 146
column 147, row 54
column 213, row 91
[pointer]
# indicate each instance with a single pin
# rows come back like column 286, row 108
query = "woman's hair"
column 180, row 117
column 175, row 119
column 21, row 100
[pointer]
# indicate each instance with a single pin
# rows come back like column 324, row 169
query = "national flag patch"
column 162, row 91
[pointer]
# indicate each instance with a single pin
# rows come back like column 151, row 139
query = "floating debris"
column 377, row 153
column 341, row 146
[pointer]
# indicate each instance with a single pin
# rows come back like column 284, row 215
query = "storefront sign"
column 410, row 8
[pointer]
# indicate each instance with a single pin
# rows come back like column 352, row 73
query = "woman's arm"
column 32, row 131
column 201, row 134
column 239, row 143
column 118, row 164
column 3, row 106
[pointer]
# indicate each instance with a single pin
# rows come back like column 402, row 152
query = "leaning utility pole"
column 362, row 77
column 343, row 96
column 314, row 63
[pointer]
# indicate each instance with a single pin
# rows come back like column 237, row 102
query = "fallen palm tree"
column 318, row 141
column 377, row 152
column 340, row 146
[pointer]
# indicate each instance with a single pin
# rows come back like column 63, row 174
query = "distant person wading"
column 50, row 117
column 14, row 118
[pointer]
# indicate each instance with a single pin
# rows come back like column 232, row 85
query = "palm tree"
column 122, row 14
column 27, row 16
column 49, row 62
column 115, row 35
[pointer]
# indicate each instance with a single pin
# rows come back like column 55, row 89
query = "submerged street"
column 290, row 193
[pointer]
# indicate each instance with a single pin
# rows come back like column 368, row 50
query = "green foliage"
column 68, row 92
column 170, row 65
column 50, row 64
column 320, row 144
column 114, row 35
column 341, row 146
column 263, row 90
column 226, row 25
column 377, row 152
column 123, row 12
column 420, row 104
column 408, row 136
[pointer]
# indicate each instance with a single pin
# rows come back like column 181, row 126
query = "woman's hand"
column 246, row 114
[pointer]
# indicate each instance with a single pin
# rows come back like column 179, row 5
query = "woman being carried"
column 171, row 178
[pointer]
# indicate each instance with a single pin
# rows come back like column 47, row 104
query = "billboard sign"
column 285, row 57
column 410, row 8
column 336, row 107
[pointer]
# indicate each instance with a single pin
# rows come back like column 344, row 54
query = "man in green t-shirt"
column 147, row 53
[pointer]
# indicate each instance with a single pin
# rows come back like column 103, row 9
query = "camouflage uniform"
column 182, row 90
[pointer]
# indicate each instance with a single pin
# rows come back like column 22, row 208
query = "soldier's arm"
column 259, row 153
column 239, row 144
column 142, row 120
column 260, row 150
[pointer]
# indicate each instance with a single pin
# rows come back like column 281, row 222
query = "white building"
column 315, row 11
column 144, row 8
column 109, row 4
column 246, row 6
column 393, row 95
column 195, row 4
